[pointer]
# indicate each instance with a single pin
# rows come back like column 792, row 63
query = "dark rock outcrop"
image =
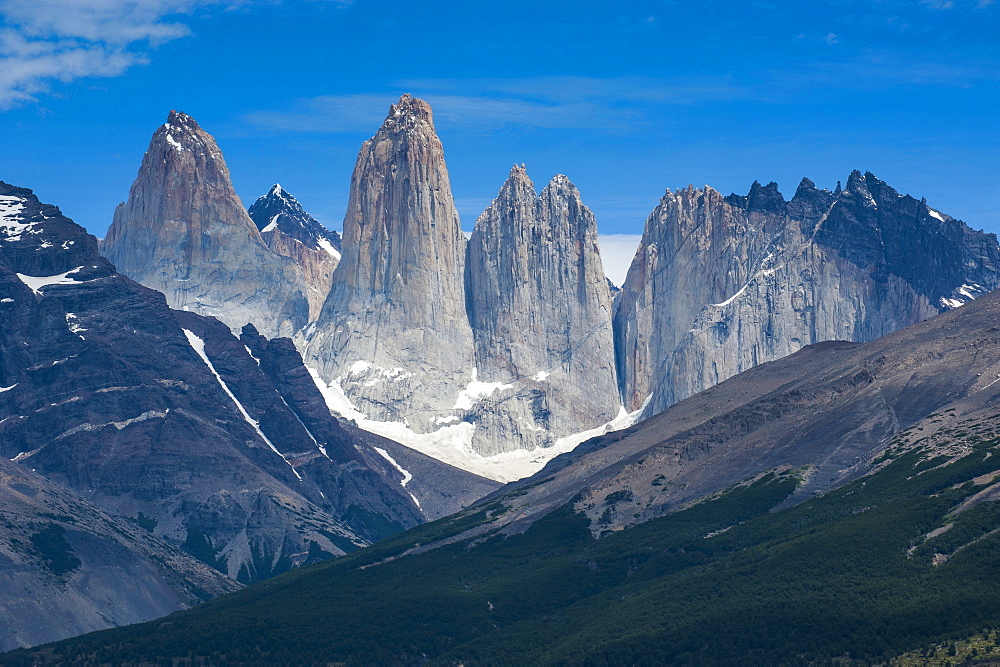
column 288, row 230
column 184, row 232
column 225, row 446
column 68, row 567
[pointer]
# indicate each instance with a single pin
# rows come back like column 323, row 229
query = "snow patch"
column 328, row 247
column 3, row 389
column 540, row 376
column 476, row 391
column 951, row 303
column 406, row 473
column 74, row 326
column 199, row 347
column 375, row 374
column 173, row 142
column 36, row 283
column 271, row 226
column 11, row 208
column 452, row 444
column 935, row 214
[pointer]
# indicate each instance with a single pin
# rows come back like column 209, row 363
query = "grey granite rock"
column 541, row 316
column 394, row 327
column 184, row 232
column 721, row 284
column 68, row 567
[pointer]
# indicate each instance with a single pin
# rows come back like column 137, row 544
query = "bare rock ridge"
column 220, row 447
column 721, row 284
column 394, row 328
column 68, row 567
column 289, row 231
column 469, row 350
column 540, row 311
column 184, row 232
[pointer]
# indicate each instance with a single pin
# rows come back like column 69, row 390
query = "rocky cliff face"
column 184, row 232
column 393, row 332
column 68, row 567
column 222, row 446
column 721, row 284
column 541, row 316
column 289, row 231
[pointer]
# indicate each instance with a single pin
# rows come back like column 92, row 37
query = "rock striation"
column 721, row 284
column 68, row 567
column 184, row 232
column 222, row 446
column 289, row 231
column 540, row 311
column 393, row 332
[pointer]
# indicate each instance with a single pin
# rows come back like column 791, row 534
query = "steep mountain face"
column 541, row 317
column 184, row 232
column 721, row 284
column 288, row 230
column 224, row 446
column 712, row 534
column 68, row 567
column 394, row 329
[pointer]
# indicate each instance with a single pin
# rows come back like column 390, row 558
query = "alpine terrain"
column 289, row 231
column 838, row 504
column 184, row 232
column 123, row 412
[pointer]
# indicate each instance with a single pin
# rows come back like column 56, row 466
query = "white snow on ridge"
column 406, row 473
column 452, row 444
column 36, row 283
column 199, row 347
column 173, row 142
column 327, row 246
column 10, row 214
column 935, row 214
column 476, row 391
column 271, row 226
column 951, row 303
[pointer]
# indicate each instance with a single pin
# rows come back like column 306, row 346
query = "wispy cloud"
column 614, row 104
column 492, row 104
column 44, row 41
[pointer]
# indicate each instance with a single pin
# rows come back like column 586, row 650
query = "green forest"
column 843, row 578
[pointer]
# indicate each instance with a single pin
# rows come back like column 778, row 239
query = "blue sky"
column 626, row 98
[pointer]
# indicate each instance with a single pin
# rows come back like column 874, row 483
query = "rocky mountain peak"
column 397, row 301
column 184, row 231
column 765, row 198
column 540, row 311
column 856, row 182
column 809, row 204
column 713, row 292
column 288, row 230
column 408, row 112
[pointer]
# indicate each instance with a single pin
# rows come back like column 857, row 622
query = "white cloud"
column 617, row 251
column 44, row 41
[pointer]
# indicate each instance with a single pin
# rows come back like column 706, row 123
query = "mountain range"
column 839, row 504
column 498, row 353
column 211, row 396
column 219, row 446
